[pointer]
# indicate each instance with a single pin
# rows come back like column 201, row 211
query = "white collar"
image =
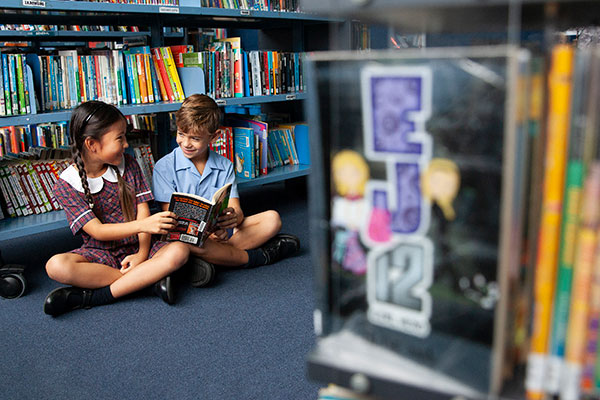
column 71, row 176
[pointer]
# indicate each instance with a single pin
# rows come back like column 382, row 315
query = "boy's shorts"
column 113, row 257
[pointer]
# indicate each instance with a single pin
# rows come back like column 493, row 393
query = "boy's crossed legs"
column 254, row 242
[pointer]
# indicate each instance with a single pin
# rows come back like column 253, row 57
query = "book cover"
column 261, row 130
column 243, row 144
column 196, row 216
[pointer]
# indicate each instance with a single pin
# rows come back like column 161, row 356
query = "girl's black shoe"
column 164, row 290
column 65, row 299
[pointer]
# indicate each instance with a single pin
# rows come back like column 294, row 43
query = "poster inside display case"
column 416, row 204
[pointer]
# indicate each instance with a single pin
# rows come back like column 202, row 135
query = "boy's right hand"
column 161, row 222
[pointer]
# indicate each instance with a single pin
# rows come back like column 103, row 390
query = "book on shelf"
column 260, row 130
column 223, row 143
column 196, row 215
column 244, row 152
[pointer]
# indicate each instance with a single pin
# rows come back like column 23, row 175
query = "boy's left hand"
column 131, row 261
column 227, row 219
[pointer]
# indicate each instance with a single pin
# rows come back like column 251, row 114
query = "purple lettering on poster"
column 406, row 213
column 392, row 99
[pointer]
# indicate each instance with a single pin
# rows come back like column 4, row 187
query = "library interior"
column 461, row 135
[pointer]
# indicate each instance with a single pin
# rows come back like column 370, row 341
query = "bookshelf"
column 151, row 20
column 362, row 343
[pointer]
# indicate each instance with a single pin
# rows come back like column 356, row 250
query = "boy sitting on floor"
column 194, row 168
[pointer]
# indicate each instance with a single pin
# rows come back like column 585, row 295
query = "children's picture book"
column 196, row 216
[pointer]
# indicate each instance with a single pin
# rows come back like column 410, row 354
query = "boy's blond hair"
column 198, row 113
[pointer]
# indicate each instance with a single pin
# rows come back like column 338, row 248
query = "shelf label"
column 40, row 33
column 167, row 10
column 245, row 12
column 221, row 102
column 34, row 3
column 290, row 97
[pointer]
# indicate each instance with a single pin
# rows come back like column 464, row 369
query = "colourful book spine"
column 161, row 85
column 169, row 82
column 130, row 80
column 14, row 96
column 141, row 69
column 149, row 78
column 136, row 78
column 180, row 96
column 238, row 78
column 570, row 224
column 20, row 83
column 549, row 234
column 162, row 74
column 5, row 78
column 582, row 274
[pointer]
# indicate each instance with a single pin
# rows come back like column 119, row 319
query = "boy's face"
column 194, row 145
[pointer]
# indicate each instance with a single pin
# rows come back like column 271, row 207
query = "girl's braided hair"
column 92, row 119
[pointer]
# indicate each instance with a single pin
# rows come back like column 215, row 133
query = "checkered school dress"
column 107, row 209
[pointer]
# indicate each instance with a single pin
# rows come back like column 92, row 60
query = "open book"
column 196, row 216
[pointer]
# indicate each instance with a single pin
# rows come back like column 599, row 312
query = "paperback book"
column 196, row 216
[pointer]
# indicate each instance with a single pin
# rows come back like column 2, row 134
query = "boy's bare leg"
column 255, row 230
column 220, row 253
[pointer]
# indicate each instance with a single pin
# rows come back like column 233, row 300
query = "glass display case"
column 417, row 201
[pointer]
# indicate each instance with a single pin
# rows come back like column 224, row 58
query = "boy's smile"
column 194, row 145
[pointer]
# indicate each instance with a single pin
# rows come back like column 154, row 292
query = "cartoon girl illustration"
column 350, row 174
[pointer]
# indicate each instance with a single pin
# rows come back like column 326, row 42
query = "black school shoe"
column 65, row 299
column 164, row 290
column 279, row 247
column 200, row 272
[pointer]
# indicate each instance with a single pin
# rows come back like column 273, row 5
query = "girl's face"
column 113, row 143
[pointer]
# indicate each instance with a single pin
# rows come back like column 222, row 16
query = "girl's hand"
column 227, row 219
column 131, row 261
column 220, row 235
column 161, row 222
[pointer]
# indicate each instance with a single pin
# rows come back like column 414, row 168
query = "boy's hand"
column 220, row 235
column 161, row 222
column 132, row 260
column 227, row 219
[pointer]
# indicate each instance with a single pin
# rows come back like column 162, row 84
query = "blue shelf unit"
column 65, row 115
column 82, row 12
column 14, row 228
column 186, row 7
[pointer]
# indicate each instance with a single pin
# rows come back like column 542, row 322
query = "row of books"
column 75, row 28
column 18, row 139
column 133, row 76
column 564, row 231
column 14, row 85
column 144, row 2
column 230, row 71
column 261, row 5
column 26, row 185
column 254, row 148
column 143, row 155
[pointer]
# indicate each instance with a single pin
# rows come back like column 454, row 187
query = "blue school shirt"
column 176, row 173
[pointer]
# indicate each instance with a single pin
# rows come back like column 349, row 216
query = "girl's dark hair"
column 92, row 119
